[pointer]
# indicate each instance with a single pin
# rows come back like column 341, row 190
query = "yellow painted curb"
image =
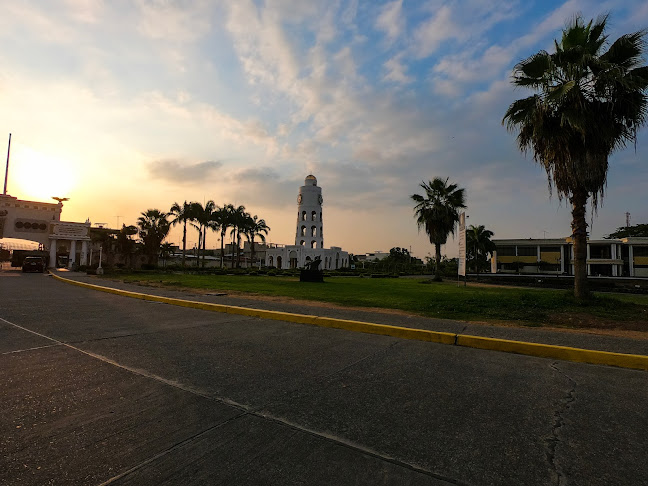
column 564, row 353
column 385, row 330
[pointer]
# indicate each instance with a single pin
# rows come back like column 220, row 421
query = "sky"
column 124, row 106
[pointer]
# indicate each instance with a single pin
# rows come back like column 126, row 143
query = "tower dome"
column 310, row 180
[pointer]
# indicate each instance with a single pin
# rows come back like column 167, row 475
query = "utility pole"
column 627, row 219
column 7, row 168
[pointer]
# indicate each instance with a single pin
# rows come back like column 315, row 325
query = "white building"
column 41, row 222
column 625, row 257
column 309, row 235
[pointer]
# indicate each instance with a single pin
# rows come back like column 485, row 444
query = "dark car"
column 33, row 264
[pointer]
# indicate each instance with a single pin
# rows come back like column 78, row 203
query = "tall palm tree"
column 437, row 211
column 255, row 227
column 200, row 219
column 588, row 103
column 238, row 219
column 206, row 218
column 478, row 246
column 222, row 219
column 181, row 214
column 153, row 228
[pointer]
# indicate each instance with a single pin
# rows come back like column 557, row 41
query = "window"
column 313, row 216
column 303, row 216
column 505, row 251
column 303, row 230
column 639, row 251
column 313, row 244
column 302, row 242
column 527, row 250
column 313, row 231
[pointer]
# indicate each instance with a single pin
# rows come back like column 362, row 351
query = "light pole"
column 99, row 268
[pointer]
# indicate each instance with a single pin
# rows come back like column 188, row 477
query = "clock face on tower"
column 321, row 199
column 299, row 199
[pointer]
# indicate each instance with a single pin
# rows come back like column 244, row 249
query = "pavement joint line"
column 163, row 453
column 137, row 371
column 552, row 351
column 245, row 410
column 357, row 448
column 29, row 349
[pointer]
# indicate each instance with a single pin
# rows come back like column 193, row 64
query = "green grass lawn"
column 531, row 307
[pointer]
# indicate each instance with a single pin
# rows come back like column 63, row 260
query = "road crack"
column 559, row 477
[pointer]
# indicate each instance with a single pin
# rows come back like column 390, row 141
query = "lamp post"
column 99, row 268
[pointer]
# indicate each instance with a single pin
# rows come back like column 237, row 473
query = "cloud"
column 177, row 171
column 174, row 21
column 390, row 20
column 396, row 70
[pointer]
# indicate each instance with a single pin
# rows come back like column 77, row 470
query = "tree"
column 437, row 211
column 222, row 219
column 400, row 255
column 166, row 249
column 637, row 230
column 181, row 214
column 478, row 247
column 153, row 228
column 202, row 217
column 126, row 246
column 588, row 103
column 255, row 227
column 238, row 218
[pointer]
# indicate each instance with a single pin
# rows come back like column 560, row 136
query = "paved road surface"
column 100, row 389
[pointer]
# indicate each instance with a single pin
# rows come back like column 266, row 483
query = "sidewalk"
column 576, row 339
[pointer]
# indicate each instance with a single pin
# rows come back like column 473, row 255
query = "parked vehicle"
column 33, row 264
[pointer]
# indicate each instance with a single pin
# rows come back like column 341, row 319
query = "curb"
column 564, row 353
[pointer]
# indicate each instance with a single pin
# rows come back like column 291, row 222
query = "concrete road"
column 102, row 389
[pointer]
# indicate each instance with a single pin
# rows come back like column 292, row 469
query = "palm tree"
column 238, row 219
column 181, row 214
column 479, row 246
column 153, row 228
column 588, row 104
column 200, row 219
column 166, row 249
column 255, row 227
column 438, row 212
column 222, row 219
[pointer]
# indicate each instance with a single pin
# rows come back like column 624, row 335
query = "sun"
column 38, row 176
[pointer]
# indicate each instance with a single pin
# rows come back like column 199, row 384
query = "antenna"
column 7, row 168
column 627, row 220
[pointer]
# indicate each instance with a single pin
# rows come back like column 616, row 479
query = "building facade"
column 309, row 235
column 41, row 222
column 625, row 257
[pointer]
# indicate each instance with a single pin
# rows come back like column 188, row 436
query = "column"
column 72, row 257
column 84, row 253
column 562, row 259
column 588, row 257
column 52, row 259
column 615, row 267
column 631, row 261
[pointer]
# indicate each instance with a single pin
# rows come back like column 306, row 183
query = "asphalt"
column 103, row 389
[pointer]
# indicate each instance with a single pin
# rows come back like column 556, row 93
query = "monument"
column 309, row 235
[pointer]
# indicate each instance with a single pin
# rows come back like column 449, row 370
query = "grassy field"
column 530, row 307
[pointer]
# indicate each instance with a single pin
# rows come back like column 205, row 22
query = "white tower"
column 309, row 215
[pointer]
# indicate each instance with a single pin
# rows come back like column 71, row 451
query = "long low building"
column 625, row 257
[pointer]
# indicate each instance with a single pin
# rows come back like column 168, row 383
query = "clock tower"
column 309, row 215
